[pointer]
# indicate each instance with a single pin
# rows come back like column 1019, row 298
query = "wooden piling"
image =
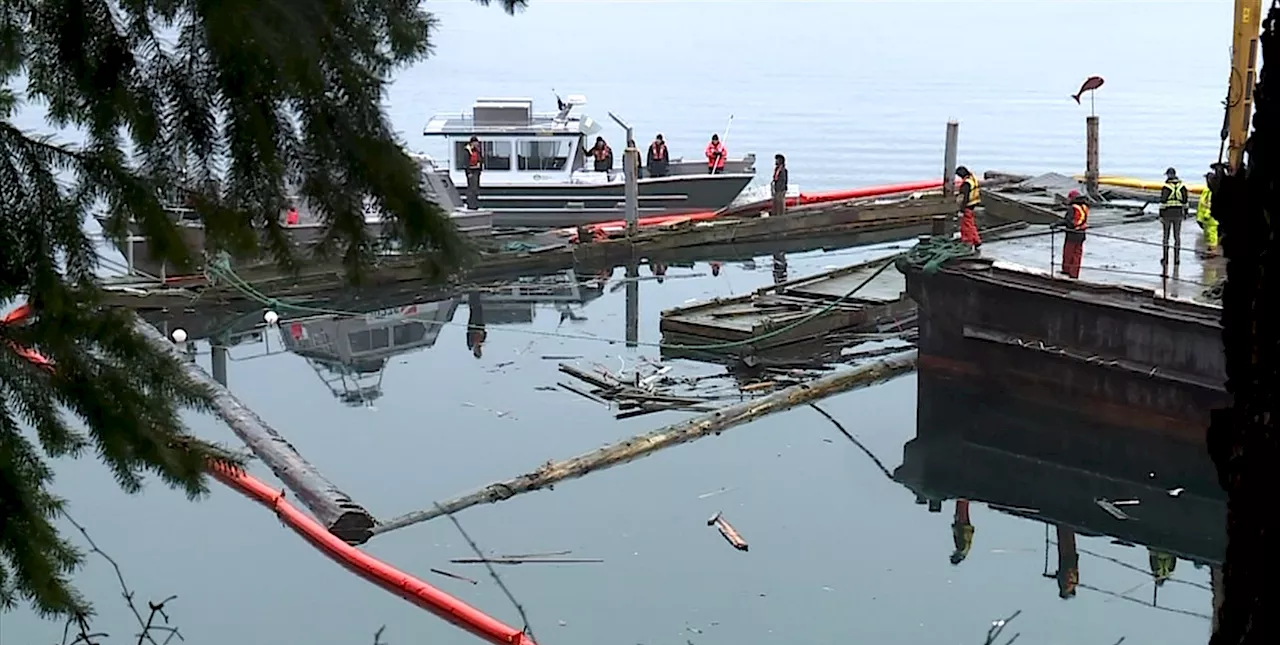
column 631, row 166
column 332, row 507
column 644, row 445
column 950, row 153
column 1091, row 155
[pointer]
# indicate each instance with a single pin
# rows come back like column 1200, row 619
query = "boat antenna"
column 560, row 104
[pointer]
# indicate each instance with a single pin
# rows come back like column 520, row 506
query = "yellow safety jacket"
column 1203, row 211
column 1177, row 194
column 975, row 193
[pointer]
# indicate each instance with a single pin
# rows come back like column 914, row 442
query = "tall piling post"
column 218, row 357
column 633, row 304
column 631, row 171
column 631, row 166
column 950, row 153
column 1091, row 155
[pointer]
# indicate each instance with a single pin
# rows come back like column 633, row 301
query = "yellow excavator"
column 1247, row 27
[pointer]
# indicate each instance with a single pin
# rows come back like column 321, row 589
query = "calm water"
column 853, row 93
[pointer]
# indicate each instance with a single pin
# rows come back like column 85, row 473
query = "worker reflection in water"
column 1204, row 217
column 1076, row 223
column 1162, row 565
column 475, row 164
column 716, row 155
column 1173, row 210
column 970, row 198
column 476, row 334
column 602, row 156
column 778, row 187
column 779, row 268
column 659, row 270
column 1068, row 563
column 292, row 218
column 715, row 268
column 961, row 532
column 657, row 162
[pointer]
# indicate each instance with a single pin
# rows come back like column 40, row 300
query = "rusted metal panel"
column 1121, row 353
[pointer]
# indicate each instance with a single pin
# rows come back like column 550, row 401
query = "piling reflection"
column 633, row 304
column 1149, row 490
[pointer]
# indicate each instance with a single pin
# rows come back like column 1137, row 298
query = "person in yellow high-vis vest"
column 1204, row 217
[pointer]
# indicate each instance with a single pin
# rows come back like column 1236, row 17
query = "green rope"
column 223, row 271
column 930, row 254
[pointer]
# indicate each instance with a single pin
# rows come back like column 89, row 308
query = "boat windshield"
column 543, row 154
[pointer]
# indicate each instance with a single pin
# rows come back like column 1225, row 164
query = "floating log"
column 731, row 535
column 333, row 508
column 646, row 444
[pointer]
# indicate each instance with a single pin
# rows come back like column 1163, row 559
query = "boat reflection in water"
column 350, row 353
column 1145, row 489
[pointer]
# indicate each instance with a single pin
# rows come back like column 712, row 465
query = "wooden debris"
column 1111, row 509
column 526, row 561
column 455, row 576
column 646, row 444
column 726, row 529
column 634, row 397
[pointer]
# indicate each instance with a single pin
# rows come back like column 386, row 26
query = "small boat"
column 1042, row 200
column 536, row 171
column 305, row 231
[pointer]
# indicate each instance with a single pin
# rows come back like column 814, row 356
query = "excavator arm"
column 1244, row 69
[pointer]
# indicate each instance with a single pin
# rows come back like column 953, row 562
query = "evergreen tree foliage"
column 239, row 103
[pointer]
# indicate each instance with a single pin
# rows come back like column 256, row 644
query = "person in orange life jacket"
column 292, row 218
column 970, row 198
column 475, row 164
column 476, row 333
column 602, row 154
column 961, row 532
column 778, row 187
column 716, row 155
column 1076, row 223
column 657, row 162
column 1068, row 575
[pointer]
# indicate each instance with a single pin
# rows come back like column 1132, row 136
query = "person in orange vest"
column 778, row 187
column 716, row 155
column 970, row 198
column 1076, row 224
column 475, row 164
column 602, row 154
column 1068, row 563
column 961, row 532
column 657, row 162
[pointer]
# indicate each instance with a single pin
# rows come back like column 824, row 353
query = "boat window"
column 369, row 340
column 409, row 333
column 497, row 155
column 543, row 154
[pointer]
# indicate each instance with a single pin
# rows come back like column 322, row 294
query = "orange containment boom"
column 358, row 562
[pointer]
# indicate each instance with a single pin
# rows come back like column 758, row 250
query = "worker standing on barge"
column 657, row 161
column 1173, row 210
column 1076, row 223
column 475, row 164
column 970, row 198
column 602, row 156
column 1204, row 217
column 778, row 187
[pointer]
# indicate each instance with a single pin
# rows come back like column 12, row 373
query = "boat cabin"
column 520, row 146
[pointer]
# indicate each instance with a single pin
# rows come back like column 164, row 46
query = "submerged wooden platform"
column 901, row 217
column 792, row 312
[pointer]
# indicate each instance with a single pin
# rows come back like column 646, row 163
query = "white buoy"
column 179, row 335
column 271, row 317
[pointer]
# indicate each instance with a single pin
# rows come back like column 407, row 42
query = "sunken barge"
column 1095, row 352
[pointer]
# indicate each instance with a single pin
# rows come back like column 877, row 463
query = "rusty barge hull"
column 1113, row 354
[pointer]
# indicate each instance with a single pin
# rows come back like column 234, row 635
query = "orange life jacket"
column 1079, row 217
column 659, row 151
column 474, row 158
column 715, row 155
column 601, row 152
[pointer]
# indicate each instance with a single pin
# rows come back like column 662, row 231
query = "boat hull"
column 567, row 205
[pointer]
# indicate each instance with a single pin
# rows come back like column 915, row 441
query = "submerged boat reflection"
column 1142, row 489
column 350, row 353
